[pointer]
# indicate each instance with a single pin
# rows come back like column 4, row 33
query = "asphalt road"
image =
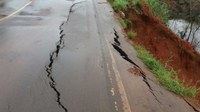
column 71, row 56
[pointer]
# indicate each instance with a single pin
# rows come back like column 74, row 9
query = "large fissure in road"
column 124, row 55
column 60, row 44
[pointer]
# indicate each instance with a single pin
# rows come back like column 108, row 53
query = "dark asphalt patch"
column 2, row 16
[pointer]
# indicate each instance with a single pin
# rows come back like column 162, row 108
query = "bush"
column 131, row 34
column 159, row 9
column 136, row 3
column 125, row 23
column 120, row 5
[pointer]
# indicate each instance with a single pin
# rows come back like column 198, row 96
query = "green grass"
column 159, row 9
column 125, row 23
column 120, row 5
column 168, row 78
column 131, row 34
column 123, row 4
column 136, row 3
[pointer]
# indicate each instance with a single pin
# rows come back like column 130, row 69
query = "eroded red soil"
column 165, row 45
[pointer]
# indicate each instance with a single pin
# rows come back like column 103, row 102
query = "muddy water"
column 182, row 29
column 182, row 13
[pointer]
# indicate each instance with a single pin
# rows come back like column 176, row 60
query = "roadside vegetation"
column 159, row 9
column 168, row 78
column 124, row 23
column 119, row 5
column 131, row 34
column 122, row 5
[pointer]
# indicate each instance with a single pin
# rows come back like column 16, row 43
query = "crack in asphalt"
column 147, row 83
column 53, row 55
column 49, row 67
column 71, row 9
column 61, row 31
column 116, row 46
column 191, row 105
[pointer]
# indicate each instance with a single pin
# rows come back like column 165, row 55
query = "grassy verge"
column 123, row 23
column 159, row 9
column 168, row 78
column 120, row 5
column 131, row 34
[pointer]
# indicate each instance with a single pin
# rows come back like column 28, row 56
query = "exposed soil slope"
column 165, row 45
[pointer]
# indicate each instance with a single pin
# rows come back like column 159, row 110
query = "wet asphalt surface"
column 36, row 76
column 69, row 56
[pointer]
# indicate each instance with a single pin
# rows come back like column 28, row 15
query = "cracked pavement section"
column 52, row 83
column 59, row 45
column 116, row 46
column 144, row 93
column 80, row 74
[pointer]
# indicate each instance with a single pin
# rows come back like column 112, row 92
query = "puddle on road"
column 2, row 16
column 33, row 12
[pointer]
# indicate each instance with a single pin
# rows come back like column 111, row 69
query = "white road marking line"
column 16, row 11
column 126, row 105
column 109, row 74
column 112, row 91
column 116, row 107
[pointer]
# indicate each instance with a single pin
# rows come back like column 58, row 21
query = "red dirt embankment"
column 165, row 45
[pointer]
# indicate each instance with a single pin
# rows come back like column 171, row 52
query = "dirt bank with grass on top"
column 174, row 53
